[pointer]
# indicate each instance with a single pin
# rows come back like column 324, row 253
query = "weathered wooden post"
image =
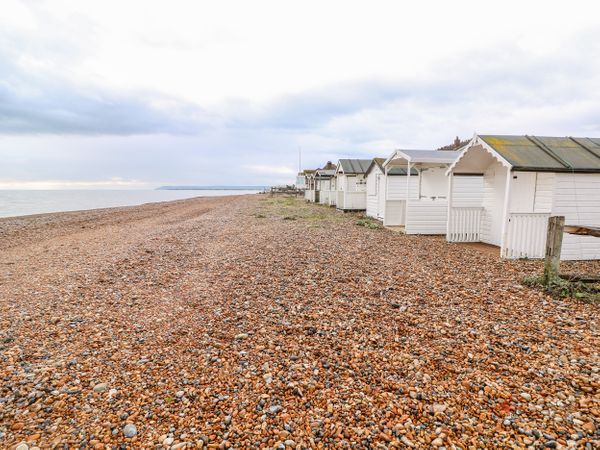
column 554, row 239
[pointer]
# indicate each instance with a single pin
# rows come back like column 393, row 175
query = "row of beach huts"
column 498, row 190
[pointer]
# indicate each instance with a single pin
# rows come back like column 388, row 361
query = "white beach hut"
column 323, row 179
column 310, row 190
column 377, row 185
column 351, row 184
column 419, row 203
column 526, row 180
column 323, row 183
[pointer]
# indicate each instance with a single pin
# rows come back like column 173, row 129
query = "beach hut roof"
column 325, row 173
column 539, row 153
column 422, row 156
column 354, row 166
column 378, row 162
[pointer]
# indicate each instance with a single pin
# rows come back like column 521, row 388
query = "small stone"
column 22, row 446
column 240, row 336
column 179, row 446
column 525, row 396
column 589, row 427
column 112, row 393
column 179, row 394
column 227, row 420
column 289, row 443
column 168, row 441
column 438, row 408
column 17, row 426
column 275, row 409
column 437, row 442
column 130, row 430
column 407, row 441
column 551, row 444
column 100, row 387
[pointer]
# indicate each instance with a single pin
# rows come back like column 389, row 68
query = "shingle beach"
column 259, row 322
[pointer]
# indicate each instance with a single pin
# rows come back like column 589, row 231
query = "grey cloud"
column 37, row 103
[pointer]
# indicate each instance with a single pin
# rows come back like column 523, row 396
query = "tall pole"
column 299, row 159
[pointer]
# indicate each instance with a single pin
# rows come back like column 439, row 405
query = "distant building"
column 301, row 181
column 457, row 144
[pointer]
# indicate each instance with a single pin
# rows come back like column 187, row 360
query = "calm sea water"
column 22, row 202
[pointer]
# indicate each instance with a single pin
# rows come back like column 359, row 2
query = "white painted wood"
column 433, row 183
column 522, row 195
column 352, row 193
column 373, row 192
column 395, row 213
column 464, row 224
column 544, row 192
column 426, row 216
column 449, row 218
column 381, row 195
column 577, row 197
column 467, row 191
column 505, row 210
column 526, row 235
column 493, row 203
column 396, row 187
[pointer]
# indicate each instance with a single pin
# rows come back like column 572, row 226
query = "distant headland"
column 212, row 188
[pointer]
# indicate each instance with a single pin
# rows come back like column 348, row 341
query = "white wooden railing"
column 526, row 235
column 464, row 225
column 355, row 200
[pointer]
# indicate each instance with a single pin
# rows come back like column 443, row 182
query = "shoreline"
column 23, row 216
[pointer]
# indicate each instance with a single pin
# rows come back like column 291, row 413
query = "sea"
column 25, row 202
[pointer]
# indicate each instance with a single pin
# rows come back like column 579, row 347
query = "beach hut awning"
column 379, row 162
column 403, row 157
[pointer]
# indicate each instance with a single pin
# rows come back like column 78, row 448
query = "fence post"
column 554, row 239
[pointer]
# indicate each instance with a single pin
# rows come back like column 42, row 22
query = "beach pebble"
column 100, row 387
column 129, row 430
column 275, row 409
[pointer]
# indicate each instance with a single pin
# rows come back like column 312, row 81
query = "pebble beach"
column 265, row 322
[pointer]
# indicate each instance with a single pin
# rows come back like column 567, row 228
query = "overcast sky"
column 137, row 94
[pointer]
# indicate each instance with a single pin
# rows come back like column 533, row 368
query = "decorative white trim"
column 392, row 156
column 478, row 141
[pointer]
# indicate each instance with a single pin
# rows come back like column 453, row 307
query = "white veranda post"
column 449, row 217
column 407, row 181
column 385, row 200
column 505, row 212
